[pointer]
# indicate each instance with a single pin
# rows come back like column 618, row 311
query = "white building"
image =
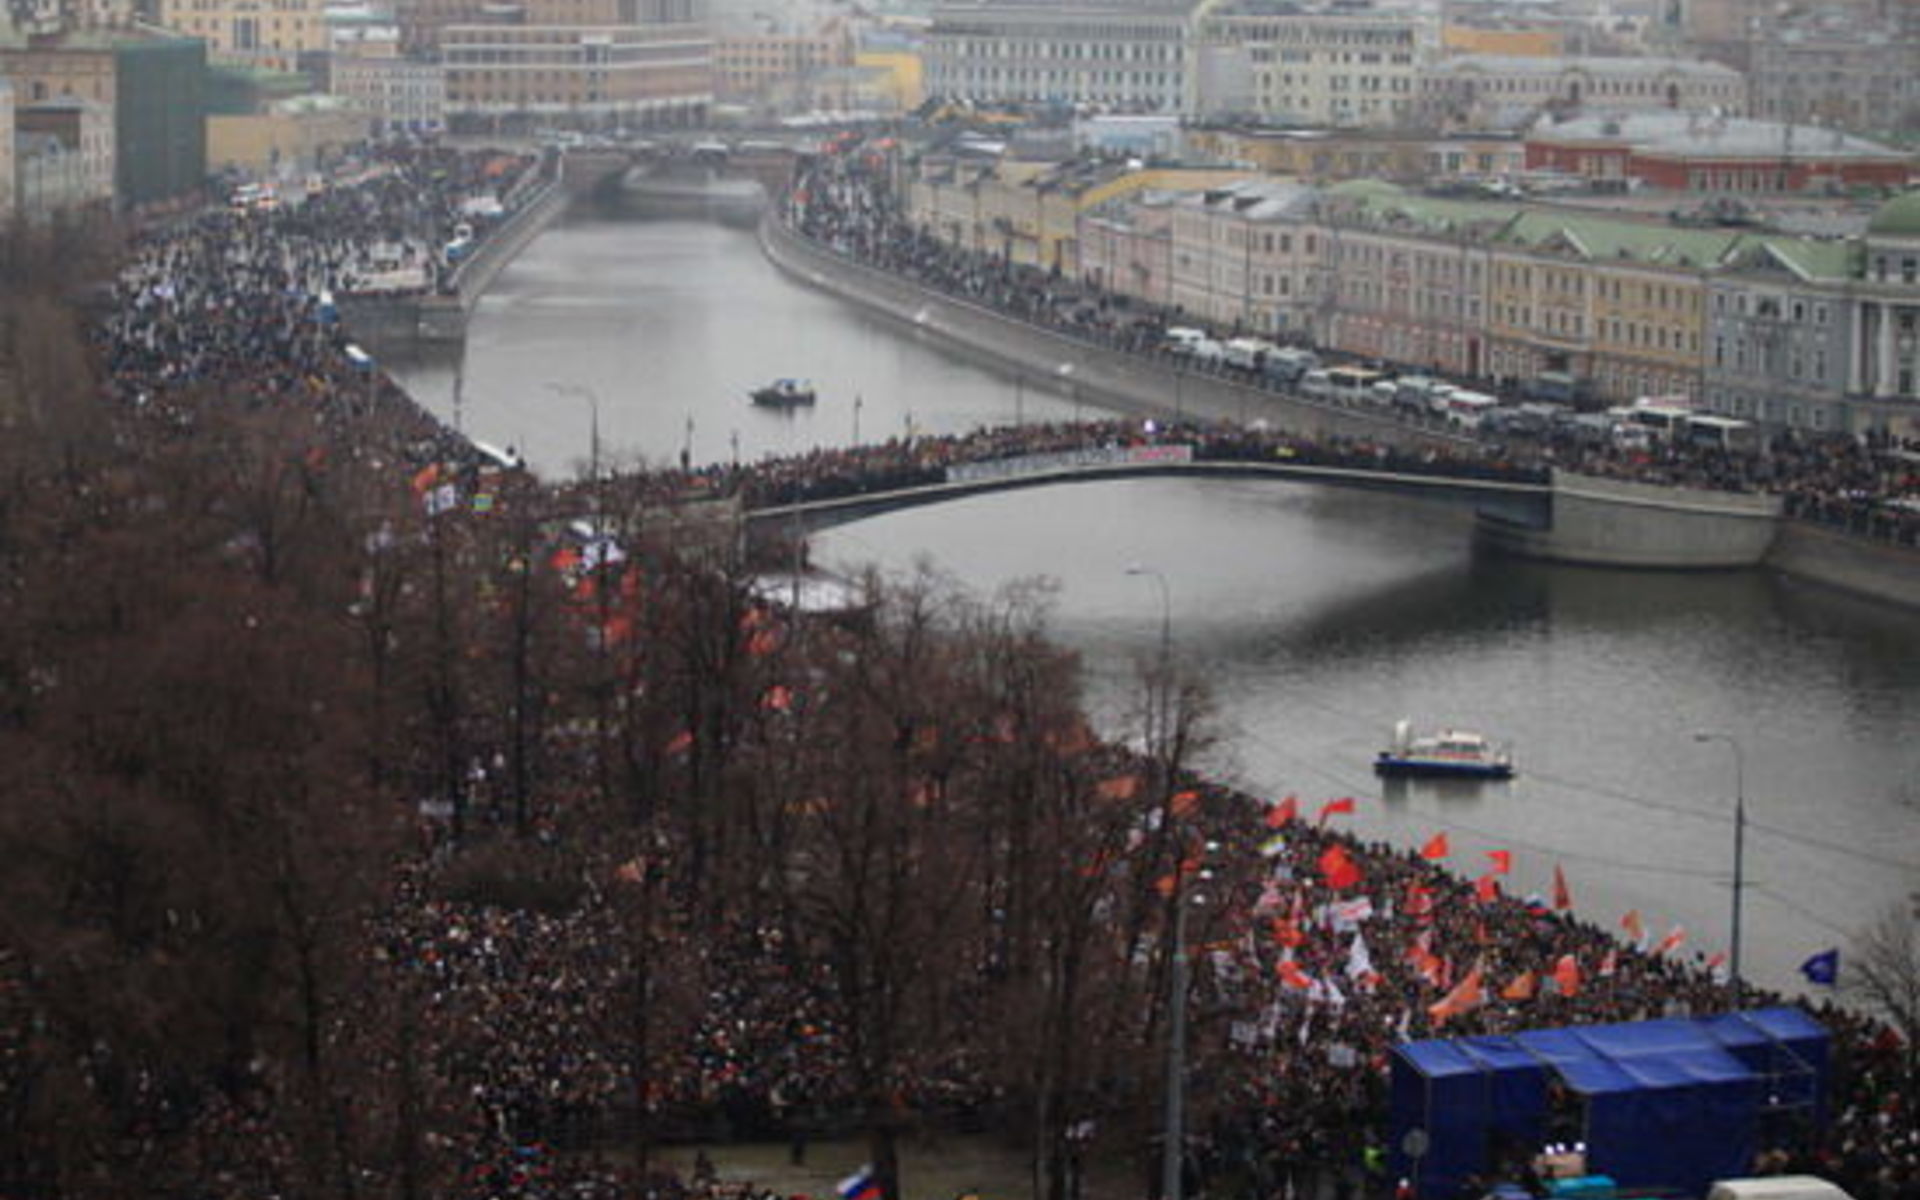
column 1128, row 58
column 1332, row 69
column 1470, row 88
column 1246, row 255
column 394, row 93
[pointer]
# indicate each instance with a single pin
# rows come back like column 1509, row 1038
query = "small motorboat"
column 784, row 393
column 1458, row 753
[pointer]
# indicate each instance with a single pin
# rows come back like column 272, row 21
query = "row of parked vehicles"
column 1646, row 422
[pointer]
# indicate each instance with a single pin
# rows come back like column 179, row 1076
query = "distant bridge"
column 1515, row 502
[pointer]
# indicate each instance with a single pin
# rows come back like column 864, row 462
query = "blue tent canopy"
column 1670, row 1103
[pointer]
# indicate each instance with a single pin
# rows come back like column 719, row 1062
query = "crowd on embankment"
column 1292, row 1021
column 842, row 200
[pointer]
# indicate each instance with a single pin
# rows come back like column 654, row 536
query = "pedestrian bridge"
column 1522, row 502
column 1573, row 518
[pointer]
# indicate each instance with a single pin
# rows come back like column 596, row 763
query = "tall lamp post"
column 1174, row 1132
column 1739, row 851
column 582, row 392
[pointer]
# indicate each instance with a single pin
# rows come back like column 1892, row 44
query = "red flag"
column 1343, row 805
column 1520, row 989
column 1185, row 804
column 1281, row 813
column 1436, row 847
column 681, row 743
column 1466, row 996
column 1635, row 930
column 1339, row 868
column 1293, row 976
column 1419, row 901
column 778, row 698
column 1287, row 933
column 1486, row 889
column 1562, row 895
column 1671, row 942
column 1566, row 974
column 1502, row 861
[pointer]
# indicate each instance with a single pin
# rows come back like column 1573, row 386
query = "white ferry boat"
column 1451, row 752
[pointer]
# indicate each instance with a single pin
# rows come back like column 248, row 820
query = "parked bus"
column 1721, row 433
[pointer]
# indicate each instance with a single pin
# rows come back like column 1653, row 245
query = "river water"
column 1317, row 616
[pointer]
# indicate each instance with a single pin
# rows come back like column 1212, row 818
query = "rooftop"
column 1594, row 65
column 1701, row 134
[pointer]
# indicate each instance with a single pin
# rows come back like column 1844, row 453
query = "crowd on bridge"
column 229, row 304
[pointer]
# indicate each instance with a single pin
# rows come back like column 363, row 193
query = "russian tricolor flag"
column 861, row 1185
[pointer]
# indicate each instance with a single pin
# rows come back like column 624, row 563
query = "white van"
column 1777, row 1187
column 1248, row 353
column 1181, row 339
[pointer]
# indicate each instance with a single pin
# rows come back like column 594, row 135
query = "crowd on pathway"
column 519, row 1003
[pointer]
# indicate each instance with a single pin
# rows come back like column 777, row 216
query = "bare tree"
column 1883, row 972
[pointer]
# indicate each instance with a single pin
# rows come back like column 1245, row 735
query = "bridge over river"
column 1552, row 515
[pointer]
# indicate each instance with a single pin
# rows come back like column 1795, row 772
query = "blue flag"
column 1823, row 968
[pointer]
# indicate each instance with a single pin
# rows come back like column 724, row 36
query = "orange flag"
column 1562, row 895
column 1436, row 847
column 1566, row 974
column 1502, row 861
column 1671, row 942
column 1343, row 805
column 1520, row 989
column 1466, row 996
column 1635, row 930
column 1281, row 813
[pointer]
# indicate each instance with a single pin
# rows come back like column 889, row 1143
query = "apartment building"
column 393, row 93
column 1245, row 255
column 1128, row 58
column 275, row 34
column 747, row 66
column 1126, row 247
column 593, row 72
column 1407, row 277
column 1780, row 332
column 1340, row 70
column 1835, row 68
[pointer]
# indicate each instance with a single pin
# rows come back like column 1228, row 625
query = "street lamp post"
column 1159, row 718
column 580, row 391
column 1739, row 851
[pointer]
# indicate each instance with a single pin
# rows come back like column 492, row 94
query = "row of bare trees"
column 239, row 661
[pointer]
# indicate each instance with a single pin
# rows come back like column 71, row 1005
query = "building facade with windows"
column 747, row 66
column 154, row 84
column 1340, row 70
column 588, row 72
column 1696, row 152
column 394, row 94
column 1245, row 255
column 1834, row 68
column 275, row 34
column 1780, row 333
column 1470, row 88
column 1127, row 58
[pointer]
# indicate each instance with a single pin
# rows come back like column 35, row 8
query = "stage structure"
column 1673, row 1103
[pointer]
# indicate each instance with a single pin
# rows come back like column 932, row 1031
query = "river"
column 1316, row 616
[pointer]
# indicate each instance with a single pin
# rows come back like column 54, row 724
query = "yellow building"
column 904, row 81
column 1518, row 43
column 304, row 132
column 1620, row 302
column 265, row 33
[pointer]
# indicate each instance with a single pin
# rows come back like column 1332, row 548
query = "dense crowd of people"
column 525, row 1008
